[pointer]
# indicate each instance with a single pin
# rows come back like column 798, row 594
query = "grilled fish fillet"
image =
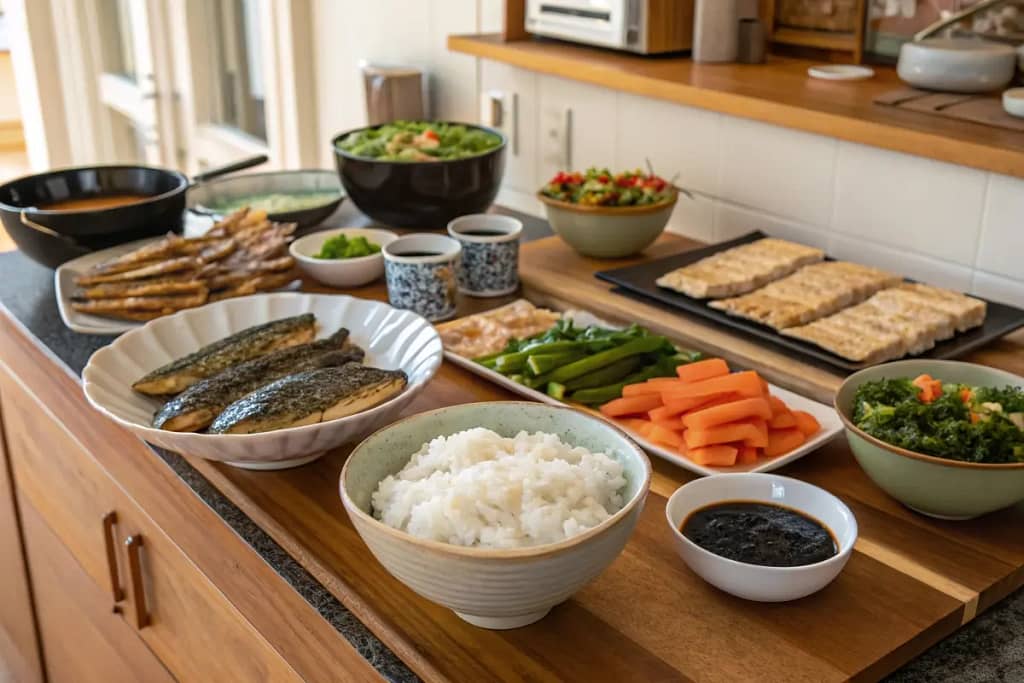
column 250, row 343
column 310, row 397
column 198, row 406
column 740, row 269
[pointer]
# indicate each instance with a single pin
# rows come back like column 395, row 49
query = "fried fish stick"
column 142, row 303
column 157, row 287
column 173, row 265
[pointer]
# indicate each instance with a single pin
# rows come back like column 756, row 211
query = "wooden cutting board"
column 910, row 582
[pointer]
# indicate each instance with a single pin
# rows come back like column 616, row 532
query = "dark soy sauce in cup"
column 482, row 233
column 418, row 254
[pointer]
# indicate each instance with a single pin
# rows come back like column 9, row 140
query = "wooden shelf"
column 779, row 93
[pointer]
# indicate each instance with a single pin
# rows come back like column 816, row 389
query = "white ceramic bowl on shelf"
column 752, row 581
column 392, row 339
column 493, row 588
column 964, row 65
column 341, row 273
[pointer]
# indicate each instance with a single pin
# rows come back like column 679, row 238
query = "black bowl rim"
column 183, row 185
column 340, row 152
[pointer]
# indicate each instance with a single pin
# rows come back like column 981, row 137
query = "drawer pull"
column 134, row 545
column 109, row 520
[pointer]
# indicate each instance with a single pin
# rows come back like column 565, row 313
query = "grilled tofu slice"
column 740, row 269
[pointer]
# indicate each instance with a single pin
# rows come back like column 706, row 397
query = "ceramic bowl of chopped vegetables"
column 343, row 257
column 608, row 215
column 945, row 438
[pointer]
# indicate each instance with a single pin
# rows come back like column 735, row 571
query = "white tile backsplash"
column 694, row 218
column 1001, row 247
column 914, row 266
column 940, row 223
column 733, row 221
column 997, row 288
column 909, row 202
column 675, row 139
column 784, row 172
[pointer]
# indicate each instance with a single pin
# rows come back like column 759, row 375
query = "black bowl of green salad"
column 420, row 174
column 945, row 438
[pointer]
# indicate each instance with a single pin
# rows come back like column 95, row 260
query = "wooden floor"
column 13, row 163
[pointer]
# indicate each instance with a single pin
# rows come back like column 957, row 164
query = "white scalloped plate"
column 392, row 339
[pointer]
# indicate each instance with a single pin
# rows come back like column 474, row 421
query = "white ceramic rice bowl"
column 392, row 339
column 493, row 588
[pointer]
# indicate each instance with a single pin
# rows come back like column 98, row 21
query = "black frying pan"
column 53, row 237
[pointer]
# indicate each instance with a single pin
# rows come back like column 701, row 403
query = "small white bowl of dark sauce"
column 761, row 537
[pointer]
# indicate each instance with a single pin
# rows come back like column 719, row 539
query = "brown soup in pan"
column 760, row 533
column 107, row 201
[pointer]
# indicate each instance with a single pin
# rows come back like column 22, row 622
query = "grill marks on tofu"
column 812, row 292
column 740, row 269
column 909, row 318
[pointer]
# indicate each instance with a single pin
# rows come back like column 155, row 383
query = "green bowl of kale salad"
column 945, row 438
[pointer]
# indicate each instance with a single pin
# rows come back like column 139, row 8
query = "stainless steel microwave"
column 642, row 26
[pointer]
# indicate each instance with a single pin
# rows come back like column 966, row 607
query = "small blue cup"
column 421, row 271
column 490, row 253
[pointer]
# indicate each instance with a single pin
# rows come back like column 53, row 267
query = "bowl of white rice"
column 498, row 511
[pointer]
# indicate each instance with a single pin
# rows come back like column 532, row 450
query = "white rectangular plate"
column 826, row 416
column 64, row 287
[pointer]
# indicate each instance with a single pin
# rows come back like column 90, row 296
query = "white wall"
column 941, row 223
column 406, row 32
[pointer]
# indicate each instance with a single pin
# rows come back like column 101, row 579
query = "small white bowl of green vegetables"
column 343, row 257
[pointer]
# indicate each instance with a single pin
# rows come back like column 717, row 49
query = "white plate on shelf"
column 392, row 338
column 831, row 426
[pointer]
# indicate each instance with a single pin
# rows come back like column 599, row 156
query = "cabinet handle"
column 109, row 520
column 134, row 544
column 515, row 124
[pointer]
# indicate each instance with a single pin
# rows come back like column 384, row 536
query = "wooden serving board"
column 910, row 582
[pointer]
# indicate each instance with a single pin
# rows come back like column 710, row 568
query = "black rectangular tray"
column 639, row 281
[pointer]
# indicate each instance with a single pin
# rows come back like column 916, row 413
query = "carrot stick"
column 747, row 455
column 631, row 405
column 743, row 383
column 779, row 406
column 782, row 441
column 675, row 408
column 664, row 436
column 651, row 386
column 673, row 424
column 726, row 433
column 729, row 412
column 714, row 456
column 702, row 369
column 806, row 422
column 782, row 421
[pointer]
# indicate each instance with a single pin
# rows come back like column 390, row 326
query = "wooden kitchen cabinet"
column 19, row 647
column 85, row 640
column 162, row 598
column 514, row 94
column 577, row 127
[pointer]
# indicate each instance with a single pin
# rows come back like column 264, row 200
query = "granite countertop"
column 990, row 648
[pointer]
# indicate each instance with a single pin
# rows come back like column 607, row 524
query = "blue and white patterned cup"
column 421, row 271
column 490, row 253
